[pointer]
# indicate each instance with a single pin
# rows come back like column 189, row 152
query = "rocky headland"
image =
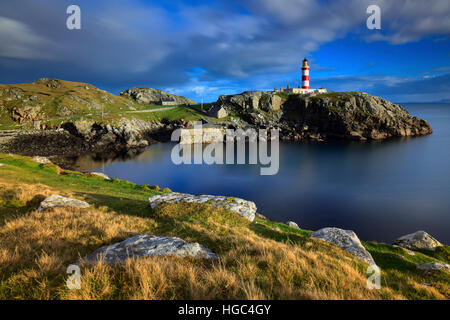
column 56, row 117
column 344, row 115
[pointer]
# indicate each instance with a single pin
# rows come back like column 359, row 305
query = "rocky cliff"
column 348, row 115
column 155, row 96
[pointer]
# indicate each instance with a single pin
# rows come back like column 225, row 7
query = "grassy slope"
column 256, row 260
column 84, row 101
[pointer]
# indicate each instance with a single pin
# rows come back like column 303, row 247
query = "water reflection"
column 380, row 189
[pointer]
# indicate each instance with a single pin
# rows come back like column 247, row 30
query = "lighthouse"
column 305, row 74
column 304, row 88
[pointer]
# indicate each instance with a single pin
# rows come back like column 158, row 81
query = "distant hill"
column 155, row 96
column 51, row 98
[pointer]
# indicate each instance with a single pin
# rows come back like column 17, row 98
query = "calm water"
column 380, row 190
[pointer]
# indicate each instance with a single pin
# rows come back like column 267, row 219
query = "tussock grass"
column 259, row 260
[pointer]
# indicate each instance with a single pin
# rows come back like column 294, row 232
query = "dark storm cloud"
column 150, row 43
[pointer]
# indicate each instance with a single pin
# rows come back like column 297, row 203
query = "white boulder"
column 55, row 200
column 418, row 240
column 347, row 240
column 433, row 266
column 100, row 174
column 41, row 160
column 145, row 245
column 292, row 224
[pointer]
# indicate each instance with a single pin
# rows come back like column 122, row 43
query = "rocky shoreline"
column 345, row 115
column 83, row 137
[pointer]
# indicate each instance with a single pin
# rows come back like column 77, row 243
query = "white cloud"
column 406, row 21
column 19, row 41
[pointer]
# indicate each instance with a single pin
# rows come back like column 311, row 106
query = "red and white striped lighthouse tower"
column 305, row 74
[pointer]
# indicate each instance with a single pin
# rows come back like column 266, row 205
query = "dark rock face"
column 346, row 115
column 155, row 96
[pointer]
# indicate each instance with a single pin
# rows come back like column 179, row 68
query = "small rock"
column 145, row 245
column 418, row 240
column 292, row 224
column 42, row 160
column 100, row 174
column 2, row 164
column 245, row 208
column 55, row 200
column 411, row 253
column 277, row 229
column 433, row 266
column 347, row 240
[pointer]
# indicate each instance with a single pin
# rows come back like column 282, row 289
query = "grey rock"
column 155, row 96
column 345, row 239
column 292, row 224
column 145, row 245
column 433, row 266
column 63, row 111
column 128, row 133
column 418, row 240
column 41, row 160
column 51, row 83
column 245, row 208
column 55, row 200
column 100, row 174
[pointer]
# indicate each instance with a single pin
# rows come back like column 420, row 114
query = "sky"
column 202, row 49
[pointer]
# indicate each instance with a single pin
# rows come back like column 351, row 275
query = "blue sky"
column 207, row 48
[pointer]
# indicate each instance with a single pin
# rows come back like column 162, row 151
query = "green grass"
column 285, row 95
column 285, row 230
column 85, row 102
column 398, row 266
column 389, row 257
column 118, row 195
